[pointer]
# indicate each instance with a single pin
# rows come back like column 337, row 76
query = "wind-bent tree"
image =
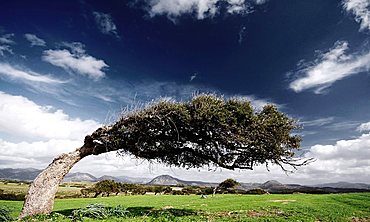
column 206, row 131
column 228, row 183
column 225, row 185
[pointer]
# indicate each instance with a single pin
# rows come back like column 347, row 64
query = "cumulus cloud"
column 26, row 75
column 76, row 60
column 346, row 160
column 364, row 127
column 201, row 8
column 34, row 154
column 34, row 40
column 329, row 67
column 23, row 118
column 360, row 9
column 105, row 23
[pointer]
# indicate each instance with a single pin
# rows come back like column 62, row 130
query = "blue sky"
column 67, row 67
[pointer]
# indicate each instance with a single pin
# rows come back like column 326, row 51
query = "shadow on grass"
column 144, row 211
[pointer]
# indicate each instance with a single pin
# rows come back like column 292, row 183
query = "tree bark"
column 40, row 196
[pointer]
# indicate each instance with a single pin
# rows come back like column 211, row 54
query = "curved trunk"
column 40, row 196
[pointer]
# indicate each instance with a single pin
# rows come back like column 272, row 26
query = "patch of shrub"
column 98, row 211
column 12, row 196
column 257, row 191
column 69, row 196
column 117, row 211
column 177, row 192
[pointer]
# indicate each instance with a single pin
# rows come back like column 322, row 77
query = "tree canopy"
column 228, row 183
column 208, row 130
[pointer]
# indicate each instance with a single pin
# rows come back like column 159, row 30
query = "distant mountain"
column 106, row 177
column 26, row 174
column 271, row 184
column 169, row 180
column 29, row 174
column 138, row 180
column 345, row 185
column 79, row 177
column 166, row 180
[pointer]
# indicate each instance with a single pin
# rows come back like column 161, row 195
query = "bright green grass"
column 293, row 207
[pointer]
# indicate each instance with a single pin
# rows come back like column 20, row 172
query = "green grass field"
column 65, row 190
column 293, row 207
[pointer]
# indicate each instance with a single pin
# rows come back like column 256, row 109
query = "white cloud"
column 34, row 40
column 105, row 23
column 330, row 67
column 76, row 60
column 201, row 8
column 76, row 47
column 364, row 127
column 34, row 154
column 26, row 75
column 360, row 8
column 346, row 160
column 7, row 39
column 23, row 118
column 237, row 7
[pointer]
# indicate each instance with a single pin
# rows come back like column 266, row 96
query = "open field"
column 293, row 207
column 65, row 190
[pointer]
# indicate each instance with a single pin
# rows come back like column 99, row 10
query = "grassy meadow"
column 65, row 190
column 273, row 207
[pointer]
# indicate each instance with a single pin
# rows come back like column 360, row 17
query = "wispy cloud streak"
column 34, row 40
column 328, row 68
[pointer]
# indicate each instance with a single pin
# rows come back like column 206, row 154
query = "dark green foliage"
column 97, row 211
column 103, row 187
column 207, row 190
column 257, row 191
column 5, row 214
column 228, row 183
column 117, row 211
column 12, row 196
column 206, row 131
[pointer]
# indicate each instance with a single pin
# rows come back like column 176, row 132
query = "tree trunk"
column 40, row 196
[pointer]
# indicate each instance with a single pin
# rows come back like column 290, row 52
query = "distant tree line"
column 109, row 187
